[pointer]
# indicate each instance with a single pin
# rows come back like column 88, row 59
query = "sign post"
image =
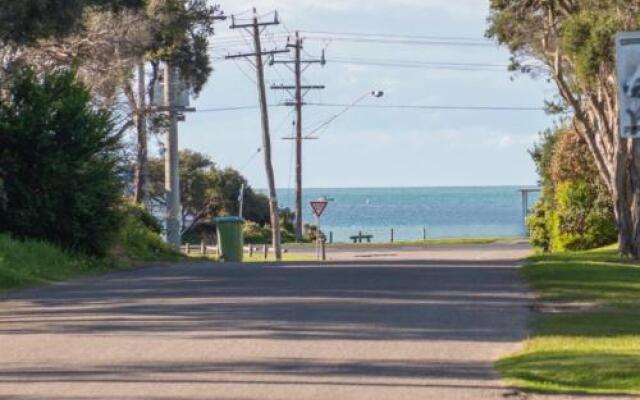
column 318, row 207
column 628, row 71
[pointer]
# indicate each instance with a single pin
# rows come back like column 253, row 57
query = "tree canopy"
column 58, row 161
column 207, row 192
column 572, row 42
column 24, row 21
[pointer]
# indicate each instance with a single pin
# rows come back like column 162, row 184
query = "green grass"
column 29, row 263
column 417, row 243
column 137, row 243
column 457, row 241
column 259, row 258
column 592, row 344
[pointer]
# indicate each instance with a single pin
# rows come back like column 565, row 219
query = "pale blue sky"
column 378, row 147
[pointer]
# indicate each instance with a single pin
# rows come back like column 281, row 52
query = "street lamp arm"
column 375, row 93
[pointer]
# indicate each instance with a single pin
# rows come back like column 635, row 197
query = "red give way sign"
column 319, row 206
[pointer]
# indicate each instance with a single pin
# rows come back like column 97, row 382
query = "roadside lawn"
column 586, row 336
column 30, row 263
column 414, row 243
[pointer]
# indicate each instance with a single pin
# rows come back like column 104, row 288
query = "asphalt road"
column 203, row 331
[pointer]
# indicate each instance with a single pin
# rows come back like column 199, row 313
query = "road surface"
column 375, row 331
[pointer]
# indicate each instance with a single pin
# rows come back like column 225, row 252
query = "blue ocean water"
column 445, row 212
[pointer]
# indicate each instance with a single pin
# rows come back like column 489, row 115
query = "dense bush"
column 582, row 218
column 144, row 216
column 575, row 210
column 256, row 234
column 140, row 241
column 58, row 154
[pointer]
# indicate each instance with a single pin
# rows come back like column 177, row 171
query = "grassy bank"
column 30, row 263
column 586, row 337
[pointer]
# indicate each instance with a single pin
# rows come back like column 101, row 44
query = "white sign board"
column 628, row 69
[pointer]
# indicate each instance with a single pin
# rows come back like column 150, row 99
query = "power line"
column 417, row 42
column 429, row 107
column 383, row 106
column 236, row 108
column 398, row 36
column 421, row 64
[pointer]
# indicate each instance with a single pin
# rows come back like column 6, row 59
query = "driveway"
column 375, row 330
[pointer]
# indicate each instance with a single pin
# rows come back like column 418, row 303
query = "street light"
column 374, row 93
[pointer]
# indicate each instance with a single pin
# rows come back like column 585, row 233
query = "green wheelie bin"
column 230, row 238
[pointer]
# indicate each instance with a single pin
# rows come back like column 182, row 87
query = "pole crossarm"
column 255, row 23
column 262, row 53
column 301, row 62
column 292, row 87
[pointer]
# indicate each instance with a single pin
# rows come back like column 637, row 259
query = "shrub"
column 140, row 239
column 145, row 217
column 537, row 223
column 579, row 222
column 575, row 210
column 256, row 234
column 58, row 155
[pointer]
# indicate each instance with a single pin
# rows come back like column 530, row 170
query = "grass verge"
column 416, row 243
column 30, row 263
column 259, row 258
column 586, row 338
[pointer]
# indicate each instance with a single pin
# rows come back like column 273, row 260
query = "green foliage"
column 24, row 21
column 182, row 37
column 59, row 156
column 539, row 229
column 141, row 214
column 256, row 234
column 588, row 37
column 140, row 242
column 28, row 263
column 207, row 192
column 579, row 221
column 575, row 210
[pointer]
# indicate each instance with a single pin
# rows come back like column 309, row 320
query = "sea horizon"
column 444, row 211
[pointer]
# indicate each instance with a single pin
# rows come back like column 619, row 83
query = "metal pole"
column 317, row 237
column 172, row 177
column 241, row 199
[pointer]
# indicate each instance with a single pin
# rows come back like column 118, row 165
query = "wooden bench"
column 360, row 237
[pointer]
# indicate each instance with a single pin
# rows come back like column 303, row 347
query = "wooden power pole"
column 300, row 91
column 255, row 28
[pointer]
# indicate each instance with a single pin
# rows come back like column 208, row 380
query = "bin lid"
column 227, row 220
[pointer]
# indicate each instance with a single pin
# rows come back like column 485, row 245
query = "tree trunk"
column 140, row 193
column 627, row 198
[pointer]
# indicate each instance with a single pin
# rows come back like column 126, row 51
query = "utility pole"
column 171, row 167
column 255, row 29
column 298, row 103
column 141, row 178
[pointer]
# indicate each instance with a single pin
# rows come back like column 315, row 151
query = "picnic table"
column 360, row 237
